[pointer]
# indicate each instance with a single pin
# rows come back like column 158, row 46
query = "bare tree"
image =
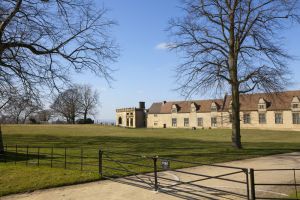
column 43, row 41
column 68, row 104
column 4, row 99
column 89, row 100
column 20, row 106
column 235, row 45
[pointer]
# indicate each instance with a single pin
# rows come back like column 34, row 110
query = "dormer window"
column 214, row 107
column 174, row 108
column 193, row 107
column 295, row 105
column 262, row 104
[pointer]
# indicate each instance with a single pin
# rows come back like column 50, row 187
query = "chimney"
column 142, row 105
column 164, row 102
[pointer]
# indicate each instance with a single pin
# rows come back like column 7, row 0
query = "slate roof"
column 249, row 102
column 184, row 106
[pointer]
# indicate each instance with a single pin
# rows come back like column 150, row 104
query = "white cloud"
column 163, row 46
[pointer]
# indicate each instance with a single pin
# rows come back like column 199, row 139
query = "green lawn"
column 206, row 146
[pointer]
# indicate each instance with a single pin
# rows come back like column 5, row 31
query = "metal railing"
column 55, row 157
column 149, row 172
column 292, row 186
column 158, row 173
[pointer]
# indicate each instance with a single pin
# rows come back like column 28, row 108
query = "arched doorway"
column 120, row 121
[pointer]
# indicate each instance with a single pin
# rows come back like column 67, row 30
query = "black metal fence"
column 83, row 159
column 161, row 174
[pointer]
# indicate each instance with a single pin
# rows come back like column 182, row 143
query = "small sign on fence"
column 165, row 164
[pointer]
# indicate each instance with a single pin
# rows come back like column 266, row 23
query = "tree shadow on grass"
column 8, row 157
column 190, row 149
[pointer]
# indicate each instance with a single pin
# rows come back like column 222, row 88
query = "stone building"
column 131, row 117
column 259, row 111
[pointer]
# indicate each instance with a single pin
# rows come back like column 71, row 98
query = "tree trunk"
column 85, row 116
column 1, row 141
column 235, row 87
column 236, row 124
column 73, row 120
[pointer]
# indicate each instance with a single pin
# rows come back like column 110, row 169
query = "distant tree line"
column 73, row 105
column 76, row 103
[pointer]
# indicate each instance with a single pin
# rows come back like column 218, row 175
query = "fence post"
column 247, row 183
column 252, row 184
column 100, row 162
column 5, row 151
column 155, row 173
column 38, row 156
column 65, row 157
column 81, row 159
column 4, row 155
column 51, row 157
column 27, row 155
column 16, row 155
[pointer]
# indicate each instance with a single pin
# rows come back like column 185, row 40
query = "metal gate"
column 163, row 175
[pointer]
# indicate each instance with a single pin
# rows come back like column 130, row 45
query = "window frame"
column 261, row 106
column 247, row 120
column 214, row 122
column 186, row 122
column 296, row 120
column 174, row 122
column 260, row 121
column 214, row 109
column 200, row 119
column 276, row 118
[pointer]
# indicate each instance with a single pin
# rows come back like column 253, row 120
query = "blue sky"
column 145, row 71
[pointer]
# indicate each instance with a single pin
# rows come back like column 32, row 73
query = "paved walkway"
column 117, row 190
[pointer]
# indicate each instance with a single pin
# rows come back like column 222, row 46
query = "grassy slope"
column 207, row 146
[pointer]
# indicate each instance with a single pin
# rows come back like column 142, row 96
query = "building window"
column 214, row 122
column 262, row 106
column 127, row 122
column 214, row 108
column 247, row 118
column 296, row 118
column 200, row 121
column 186, row 122
column 155, row 115
column 120, row 121
column 131, row 121
column 295, row 105
column 174, row 122
column 174, row 110
column 155, row 123
column 278, row 118
column 262, row 118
